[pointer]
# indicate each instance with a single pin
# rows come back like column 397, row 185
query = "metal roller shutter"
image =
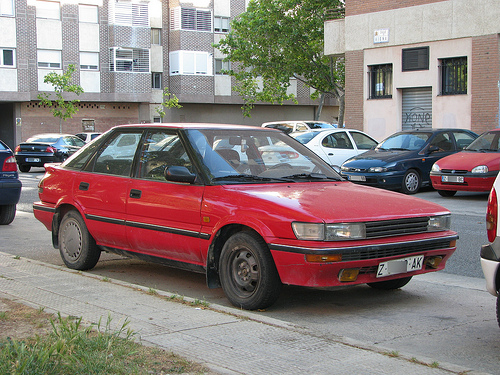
column 417, row 108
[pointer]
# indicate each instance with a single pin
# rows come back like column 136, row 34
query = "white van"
column 298, row 126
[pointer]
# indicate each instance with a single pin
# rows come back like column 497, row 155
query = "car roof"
column 184, row 125
column 294, row 122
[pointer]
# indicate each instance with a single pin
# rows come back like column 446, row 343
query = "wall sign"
column 381, row 36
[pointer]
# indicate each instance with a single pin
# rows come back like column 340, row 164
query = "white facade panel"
column 89, row 37
column 8, row 34
column 222, row 8
column 156, row 58
column 48, row 34
column 222, row 85
column 41, row 75
column 8, row 79
column 90, row 81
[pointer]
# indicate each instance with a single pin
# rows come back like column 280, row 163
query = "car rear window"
column 43, row 139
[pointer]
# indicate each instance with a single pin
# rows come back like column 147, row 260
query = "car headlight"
column 439, row 223
column 329, row 232
column 480, row 169
column 377, row 169
column 435, row 168
column 345, row 169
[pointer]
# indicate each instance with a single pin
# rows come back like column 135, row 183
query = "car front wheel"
column 447, row 193
column 390, row 284
column 247, row 272
column 411, row 182
column 77, row 247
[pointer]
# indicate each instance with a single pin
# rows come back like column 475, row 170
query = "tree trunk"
column 320, row 107
column 341, row 110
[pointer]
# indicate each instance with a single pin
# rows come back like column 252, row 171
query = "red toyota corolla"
column 251, row 207
column 473, row 169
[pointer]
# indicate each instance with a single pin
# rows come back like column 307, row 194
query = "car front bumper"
column 387, row 180
column 490, row 263
column 470, row 183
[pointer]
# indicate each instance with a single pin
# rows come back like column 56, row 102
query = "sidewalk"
column 226, row 340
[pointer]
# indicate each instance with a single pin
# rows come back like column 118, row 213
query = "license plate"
column 33, row 160
column 457, row 179
column 357, row 178
column 393, row 267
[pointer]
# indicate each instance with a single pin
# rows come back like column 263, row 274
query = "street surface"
column 447, row 316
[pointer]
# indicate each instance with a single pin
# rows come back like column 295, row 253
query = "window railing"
column 454, row 76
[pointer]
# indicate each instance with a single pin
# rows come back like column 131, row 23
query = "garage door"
column 417, row 108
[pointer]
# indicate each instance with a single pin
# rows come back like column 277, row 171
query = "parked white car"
column 336, row 145
column 490, row 253
column 289, row 127
column 88, row 136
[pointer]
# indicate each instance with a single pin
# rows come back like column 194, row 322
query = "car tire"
column 498, row 310
column 447, row 193
column 411, row 182
column 7, row 214
column 77, row 247
column 247, row 272
column 24, row 168
column 390, row 284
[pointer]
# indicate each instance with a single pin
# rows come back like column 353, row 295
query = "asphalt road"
column 446, row 316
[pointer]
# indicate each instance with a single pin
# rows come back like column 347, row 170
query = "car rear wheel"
column 498, row 310
column 247, row 272
column 77, row 247
column 447, row 193
column 411, row 182
column 7, row 214
column 24, row 168
column 390, row 284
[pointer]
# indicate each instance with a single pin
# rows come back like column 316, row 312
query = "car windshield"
column 319, row 125
column 304, row 137
column 405, row 141
column 486, row 142
column 243, row 156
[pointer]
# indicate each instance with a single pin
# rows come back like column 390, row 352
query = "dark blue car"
column 404, row 160
column 10, row 186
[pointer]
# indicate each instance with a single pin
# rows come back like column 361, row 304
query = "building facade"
column 126, row 52
column 419, row 64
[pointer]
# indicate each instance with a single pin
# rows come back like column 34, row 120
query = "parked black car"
column 404, row 160
column 46, row 148
column 10, row 186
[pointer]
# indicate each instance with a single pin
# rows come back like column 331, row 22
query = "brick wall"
column 354, row 90
column 355, row 7
column 485, row 72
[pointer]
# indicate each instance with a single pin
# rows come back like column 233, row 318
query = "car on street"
column 404, row 160
column 336, row 145
column 298, row 126
column 46, row 148
column 204, row 197
column 88, row 136
column 490, row 253
column 473, row 169
column 10, row 185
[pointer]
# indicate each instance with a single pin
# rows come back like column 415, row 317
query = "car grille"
column 397, row 227
column 454, row 171
column 374, row 252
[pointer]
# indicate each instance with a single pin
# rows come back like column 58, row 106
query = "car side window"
column 443, row 142
column 337, row 140
column 463, row 139
column 161, row 150
column 362, row 141
column 117, row 154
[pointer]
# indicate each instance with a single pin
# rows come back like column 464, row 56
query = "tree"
column 169, row 101
column 274, row 41
column 62, row 83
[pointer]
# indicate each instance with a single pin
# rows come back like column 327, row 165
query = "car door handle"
column 134, row 193
column 84, row 186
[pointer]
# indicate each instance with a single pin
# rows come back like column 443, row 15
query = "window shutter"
column 415, row 59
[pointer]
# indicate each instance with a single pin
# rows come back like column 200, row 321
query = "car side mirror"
column 179, row 174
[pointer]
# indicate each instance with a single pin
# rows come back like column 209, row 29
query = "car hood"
column 322, row 202
column 466, row 160
column 375, row 158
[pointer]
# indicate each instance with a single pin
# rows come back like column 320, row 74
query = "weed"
column 434, row 364
column 152, row 291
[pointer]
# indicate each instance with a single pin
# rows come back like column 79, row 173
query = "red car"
column 473, row 169
column 251, row 207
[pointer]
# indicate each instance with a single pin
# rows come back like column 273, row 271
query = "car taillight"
column 492, row 216
column 50, row 149
column 289, row 154
column 9, row 165
column 17, row 149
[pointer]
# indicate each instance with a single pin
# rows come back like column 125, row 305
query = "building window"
column 191, row 19
column 89, row 61
column 88, row 13
column 156, row 36
column 380, row 77
column 131, row 14
column 7, row 58
column 6, row 7
column 129, row 60
column 221, row 66
column 190, row 62
column 156, row 80
column 221, row 24
column 49, row 59
column 48, row 9
column 453, row 76
column 415, row 59
column 157, row 119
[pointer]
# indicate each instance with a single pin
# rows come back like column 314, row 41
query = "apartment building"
column 126, row 52
column 419, row 64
